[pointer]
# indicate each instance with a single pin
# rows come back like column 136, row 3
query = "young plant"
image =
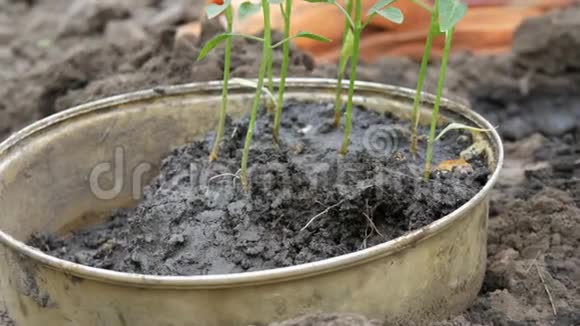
column 450, row 12
column 345, row 53
column 271, row 105
column 286, row 10
column 433, row 31
column 213, row 10
column 357, row 29
column 266, row 53
column 246, row 9
column 356, row 25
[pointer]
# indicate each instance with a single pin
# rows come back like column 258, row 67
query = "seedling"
column 456, row 125
column 345, row 53
column 266, row 53
column 445, row 15
column 356, row 25
column 213, row 10
column 449, row 13
column 286, row 62
column 286, row 11
column 246, row 9
column 433, row 31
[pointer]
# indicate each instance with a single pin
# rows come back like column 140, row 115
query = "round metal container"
column 45, row 172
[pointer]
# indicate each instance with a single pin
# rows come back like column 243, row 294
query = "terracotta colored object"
column 487, row 28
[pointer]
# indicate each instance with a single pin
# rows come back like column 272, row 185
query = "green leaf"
column 309, row 35
column 247, row 9
column 252, row 84
column 393, row 14
column 213, row 10
column 450, row 13
column 211, row 44
column 379, row 5
column 312, row 36
column 275, row 2
column 456, row 125
column 347, row 43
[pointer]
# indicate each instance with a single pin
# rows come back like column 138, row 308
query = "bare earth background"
column 58, row 53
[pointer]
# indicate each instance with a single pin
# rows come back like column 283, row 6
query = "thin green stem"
column 229, row 13
column 351, row 24
column 422, row 73
column 435, row 114
column 266, row 49
column 286, row 39
column 368, row 20
column 284, row 70
column 250, row 37
column 344, row 54
column 270, row 72
column 423, row 5
column 270, row 58
column 338, row 96
column 353, row 69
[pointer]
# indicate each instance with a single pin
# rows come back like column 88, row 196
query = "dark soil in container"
column 305, row 202
column 50, row 59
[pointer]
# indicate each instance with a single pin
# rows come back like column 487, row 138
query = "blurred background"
column 487, row 29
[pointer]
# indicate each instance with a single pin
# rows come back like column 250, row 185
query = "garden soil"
column 58, row 53
column 304, row 202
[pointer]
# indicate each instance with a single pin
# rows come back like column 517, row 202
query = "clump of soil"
column 533, row 262
column 196, row 219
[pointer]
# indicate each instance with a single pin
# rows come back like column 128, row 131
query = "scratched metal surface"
column 4, row 318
